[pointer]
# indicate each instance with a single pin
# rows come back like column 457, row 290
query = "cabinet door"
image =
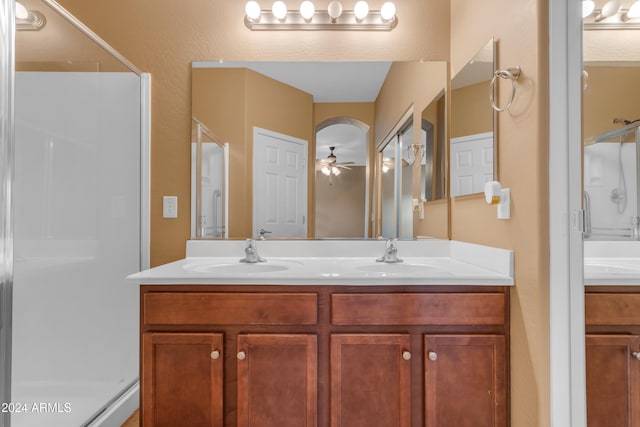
column 182, row 379
column 613, row 381
column 370, row 380
column 277, row 380
column 465, row 381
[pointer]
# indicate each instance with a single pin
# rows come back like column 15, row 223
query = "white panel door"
column 279, row 184
column 471, row 163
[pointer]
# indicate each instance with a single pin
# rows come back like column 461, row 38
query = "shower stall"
column 78, row 224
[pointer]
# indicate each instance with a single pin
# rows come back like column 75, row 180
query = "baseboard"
column 120, row 410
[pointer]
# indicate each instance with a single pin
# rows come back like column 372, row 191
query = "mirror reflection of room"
column 472, row 121
column 351, row 107
column 611, row 116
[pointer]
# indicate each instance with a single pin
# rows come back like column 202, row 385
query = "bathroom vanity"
column 326, row 338
column 612, row 324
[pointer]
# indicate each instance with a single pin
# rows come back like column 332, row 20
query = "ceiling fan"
column 331, row 167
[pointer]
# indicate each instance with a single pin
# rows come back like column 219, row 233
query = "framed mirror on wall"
column 472, row 141
column 300, row 100
column 611, row 128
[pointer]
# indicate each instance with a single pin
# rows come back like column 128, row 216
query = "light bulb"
column 252, row 9
column 334, row 10
column 307, row 9
column 610, row 8
column 325, row 170
column 388, row 11
column 21, row 11
column 587, row 7
column 335, row 171
column 385, row 168
column 633, row 12
column 279, row 10
column 361, row 10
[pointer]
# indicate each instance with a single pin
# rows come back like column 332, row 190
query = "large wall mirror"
column 611, row 120
column 301, row 138
column 472, row 140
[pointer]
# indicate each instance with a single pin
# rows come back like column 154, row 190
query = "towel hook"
column 510, row 74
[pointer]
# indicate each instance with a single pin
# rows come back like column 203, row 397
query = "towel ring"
column 510, row 74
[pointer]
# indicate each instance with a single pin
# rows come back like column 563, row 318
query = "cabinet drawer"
column 612, row 309
column 418, row 309
column 213, row 308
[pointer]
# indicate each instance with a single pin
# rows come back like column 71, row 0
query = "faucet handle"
column 262, row 232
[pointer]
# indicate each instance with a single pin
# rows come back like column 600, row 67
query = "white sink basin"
column 399, row 269
column 236, row 268
column 605, row 268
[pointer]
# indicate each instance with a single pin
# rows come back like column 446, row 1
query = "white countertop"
column 614, row 263
column 336, row 262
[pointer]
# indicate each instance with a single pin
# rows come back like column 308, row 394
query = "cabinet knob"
column 636, row 355
column 433, row 355
column 406, row 355
column 215, row 355
column 242, row 355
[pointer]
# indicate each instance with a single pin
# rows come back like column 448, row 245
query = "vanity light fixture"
column 308, row 18
column 28, row 20
column 611, row 16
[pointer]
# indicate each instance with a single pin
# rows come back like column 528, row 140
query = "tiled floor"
column 133, row 420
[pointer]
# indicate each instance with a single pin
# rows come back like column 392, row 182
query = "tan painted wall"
column 341, row 213
column 612, row 92
column 230, row 102
column 466, row 117
column 521, row 30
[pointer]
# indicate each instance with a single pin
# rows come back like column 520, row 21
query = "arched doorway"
column 342, row 201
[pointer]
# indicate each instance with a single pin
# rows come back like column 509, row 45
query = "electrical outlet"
column 170, row 207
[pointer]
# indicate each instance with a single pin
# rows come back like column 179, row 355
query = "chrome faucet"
column 390, row 252
column 251, row 253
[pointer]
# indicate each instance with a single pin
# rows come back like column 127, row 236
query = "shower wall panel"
column 77, row 236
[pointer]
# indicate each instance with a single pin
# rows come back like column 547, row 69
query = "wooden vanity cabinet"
column 612, row 318
column 324, row 356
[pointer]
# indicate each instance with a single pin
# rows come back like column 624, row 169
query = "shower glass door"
column 77, row 227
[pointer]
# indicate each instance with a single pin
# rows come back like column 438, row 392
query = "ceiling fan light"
column 385, row 168
column 325, row 170
column 335, row 171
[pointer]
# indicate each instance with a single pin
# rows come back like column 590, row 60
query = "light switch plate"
column 170, row 207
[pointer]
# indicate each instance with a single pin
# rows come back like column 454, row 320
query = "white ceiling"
column 326, row 81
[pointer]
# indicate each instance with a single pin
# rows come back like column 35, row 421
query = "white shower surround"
column 77, row 235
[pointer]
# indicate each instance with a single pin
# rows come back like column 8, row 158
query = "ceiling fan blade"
column 341, row 166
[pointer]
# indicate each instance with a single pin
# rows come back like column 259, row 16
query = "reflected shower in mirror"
column 473, row 142
column 611, row 110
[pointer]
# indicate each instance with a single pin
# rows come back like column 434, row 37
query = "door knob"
column 636, row 355
column 242, row 355
column 215, row 355
column 433, row 355
column 406, row 355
